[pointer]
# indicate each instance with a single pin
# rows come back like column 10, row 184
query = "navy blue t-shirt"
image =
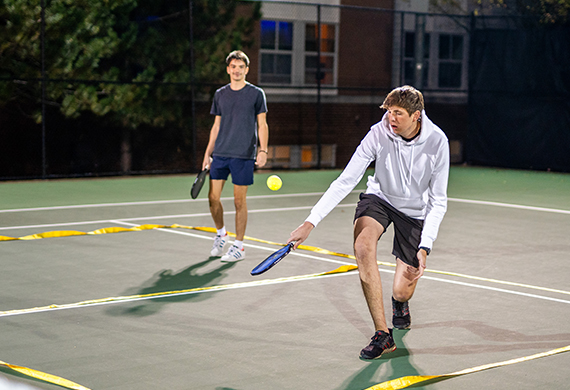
column 237, row 137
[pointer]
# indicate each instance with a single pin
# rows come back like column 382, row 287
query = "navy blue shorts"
column 407, row 230
column 241, row 170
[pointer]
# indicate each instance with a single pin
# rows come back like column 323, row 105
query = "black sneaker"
column 381, row 343
column 401, row 315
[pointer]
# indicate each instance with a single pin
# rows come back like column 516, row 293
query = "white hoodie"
column 411, row 176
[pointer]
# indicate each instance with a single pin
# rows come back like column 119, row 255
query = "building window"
column 327, row 54
column 276, row 51
column 450, row 56
column 409, row 58
column 289, row 53
column 443, row 66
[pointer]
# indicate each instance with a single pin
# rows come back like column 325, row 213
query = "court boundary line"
column 230, row 212
column 239, row 285
column 141, row 203
column 230, row 287
column 149, row 202
column 295, row 253
column 169, row 229
column 509, row 205
column 209, row 238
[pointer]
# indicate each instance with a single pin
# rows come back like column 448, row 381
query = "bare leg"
column 240, row 193
column 404, row 283
column 216, row 208
column 367, row 231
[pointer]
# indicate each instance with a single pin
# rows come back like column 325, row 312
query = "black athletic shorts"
column 407, row 230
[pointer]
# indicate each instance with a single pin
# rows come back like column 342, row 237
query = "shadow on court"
column 197, row 275
column 15, row 378
column 509, row 340
column 397, row 363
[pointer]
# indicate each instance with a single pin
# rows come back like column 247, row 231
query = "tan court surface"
column 501, row 226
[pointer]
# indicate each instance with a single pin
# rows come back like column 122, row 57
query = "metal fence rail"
column 325, row 69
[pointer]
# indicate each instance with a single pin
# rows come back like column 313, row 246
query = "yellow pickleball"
column 274, row 182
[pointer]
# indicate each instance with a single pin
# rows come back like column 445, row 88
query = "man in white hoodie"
column 409, row 189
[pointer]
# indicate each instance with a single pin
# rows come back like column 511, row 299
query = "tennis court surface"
column 147, row 308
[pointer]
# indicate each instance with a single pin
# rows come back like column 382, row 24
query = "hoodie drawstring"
column 405, row 181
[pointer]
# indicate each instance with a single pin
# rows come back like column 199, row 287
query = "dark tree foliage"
column 127, row 60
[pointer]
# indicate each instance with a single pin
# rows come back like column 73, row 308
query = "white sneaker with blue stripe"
column 219, row 244
column 234, row 254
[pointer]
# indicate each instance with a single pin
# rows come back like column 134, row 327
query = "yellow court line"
column 399, row 383
column 427, row 270
column 72, row 385
column 407, row 381
column 56, row 380
column 69, row 233
column 341, row 269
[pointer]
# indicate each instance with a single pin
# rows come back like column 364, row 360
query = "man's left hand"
column 261, row 159
column 422, row 258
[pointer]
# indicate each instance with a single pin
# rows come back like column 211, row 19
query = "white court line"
column 509, row 205
column 150, row 202
column 295, row 253
column 310, row 256
column 502, row 290
column 459, row 200
column 280, row 281
column 479, row 202
column 270, row 282
column 271, row 210
column 233, row 286
column 209, row 238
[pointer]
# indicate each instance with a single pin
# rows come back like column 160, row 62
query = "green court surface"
column 496, row 288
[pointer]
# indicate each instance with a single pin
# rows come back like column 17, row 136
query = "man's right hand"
column 207, row 161
column 300, row 234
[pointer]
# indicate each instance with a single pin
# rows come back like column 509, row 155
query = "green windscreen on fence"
column 519, row 103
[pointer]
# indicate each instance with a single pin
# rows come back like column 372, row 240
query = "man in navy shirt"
column 240, row 110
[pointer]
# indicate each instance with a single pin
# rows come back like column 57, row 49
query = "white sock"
column 239, row 244
column 222, row 232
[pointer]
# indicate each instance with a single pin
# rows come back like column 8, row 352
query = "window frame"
column 450, row 60
column 432, row 61
column 275, row 51
column 299, row 54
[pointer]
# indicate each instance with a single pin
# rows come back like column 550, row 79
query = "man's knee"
column 240, row 203
column 404, row 282
column 402, row 296
column 364, row 247
column 365, row 253
column 240, row 197
column 367, row 232
column 215, row 192
column 214, row 199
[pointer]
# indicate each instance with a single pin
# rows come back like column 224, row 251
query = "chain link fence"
column 126, row 89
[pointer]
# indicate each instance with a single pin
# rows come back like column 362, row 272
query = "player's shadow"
column 14, row 380
column 197, row 275
column 394, row 365
column 491, row 339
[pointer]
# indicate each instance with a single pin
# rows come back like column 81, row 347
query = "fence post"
column 319, row 78
column 192, row 87
column 402, row 43
column 419, row 53
column 43, row 65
